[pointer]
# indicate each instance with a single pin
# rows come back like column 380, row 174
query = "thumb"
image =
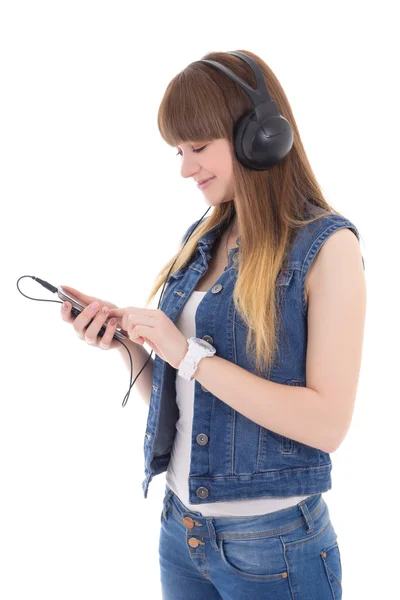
column 78, row 294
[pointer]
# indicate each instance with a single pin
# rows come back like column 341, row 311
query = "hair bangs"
column 193, row 108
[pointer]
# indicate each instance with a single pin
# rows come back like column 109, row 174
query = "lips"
column 206, row 184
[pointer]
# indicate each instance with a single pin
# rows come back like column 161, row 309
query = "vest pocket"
column 330, row 557
column 284, row 277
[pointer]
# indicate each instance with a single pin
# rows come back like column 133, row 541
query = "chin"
column 214, row 201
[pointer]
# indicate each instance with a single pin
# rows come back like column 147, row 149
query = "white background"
column 92, row 197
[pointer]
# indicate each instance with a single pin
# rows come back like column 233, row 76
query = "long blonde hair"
column 202, row 103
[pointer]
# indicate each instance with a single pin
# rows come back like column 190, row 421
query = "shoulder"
column 341, row 250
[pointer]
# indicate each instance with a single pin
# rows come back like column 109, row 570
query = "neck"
column 234, row 234
column 233, row 229
column 229, row 238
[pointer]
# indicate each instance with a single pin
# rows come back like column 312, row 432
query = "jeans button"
column 188, row 522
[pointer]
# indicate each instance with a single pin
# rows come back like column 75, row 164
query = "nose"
column 189, row 166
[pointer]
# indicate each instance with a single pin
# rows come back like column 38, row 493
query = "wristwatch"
column 198, row 349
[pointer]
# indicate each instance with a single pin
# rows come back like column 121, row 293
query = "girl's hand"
column 88, row 323
column 156, row 329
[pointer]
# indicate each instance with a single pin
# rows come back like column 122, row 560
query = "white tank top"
column 178, row 469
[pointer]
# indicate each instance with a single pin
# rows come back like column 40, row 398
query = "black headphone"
column 262, row 138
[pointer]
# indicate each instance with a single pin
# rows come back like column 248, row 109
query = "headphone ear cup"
column 253, row 149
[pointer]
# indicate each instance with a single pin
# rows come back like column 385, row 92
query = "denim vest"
column 233, row 457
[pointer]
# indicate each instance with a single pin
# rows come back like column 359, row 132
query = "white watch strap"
column 190, row 362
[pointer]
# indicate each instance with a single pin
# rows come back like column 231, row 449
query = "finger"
column 71, row 289
column 66, row 313
column 92, row 332
column 116, row 312
column 132, row 334
column 108, row 336
column 119, row 319
column 83, row 324
column 65, row 308
column 135, row 334
column 119, row 322
column 137, row 340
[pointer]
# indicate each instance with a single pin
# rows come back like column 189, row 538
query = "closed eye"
column 198, row 150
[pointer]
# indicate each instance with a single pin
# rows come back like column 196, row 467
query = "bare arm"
column 139, row 356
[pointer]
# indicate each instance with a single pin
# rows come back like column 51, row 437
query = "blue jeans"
column 289, row 554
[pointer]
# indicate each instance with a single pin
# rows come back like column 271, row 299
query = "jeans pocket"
column 256, row 559
column 330, row 557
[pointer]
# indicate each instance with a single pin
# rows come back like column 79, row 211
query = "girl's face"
column 213, row 160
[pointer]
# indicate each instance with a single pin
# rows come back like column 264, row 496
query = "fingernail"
column 65, row 306
column 112, row 321
column 94, row 305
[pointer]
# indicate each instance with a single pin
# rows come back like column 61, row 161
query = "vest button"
column 236, row 258
column 188, row 522
column 284, row 575
column 216, row 288
column 208, row 339
column 202, row 439
column 203, row 388
column 193, row 542
column 202, row 492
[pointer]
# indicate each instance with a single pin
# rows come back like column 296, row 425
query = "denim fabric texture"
column 232, row 457
column 289, row 554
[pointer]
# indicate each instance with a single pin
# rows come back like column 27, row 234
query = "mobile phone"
column 77, row 308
